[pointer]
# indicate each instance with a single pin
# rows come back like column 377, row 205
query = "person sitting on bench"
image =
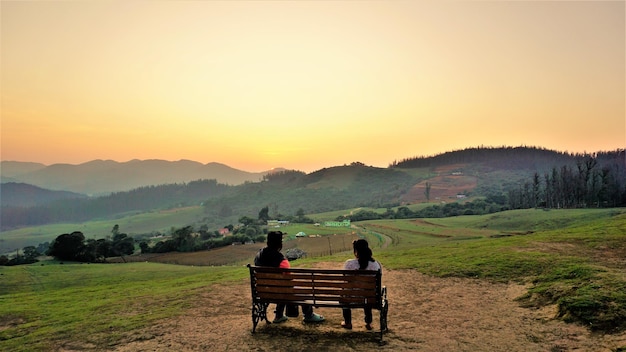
column 363, row 261
column 270, row 255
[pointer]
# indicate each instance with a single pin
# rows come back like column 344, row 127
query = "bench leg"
column 383, row 314
column 259, row 312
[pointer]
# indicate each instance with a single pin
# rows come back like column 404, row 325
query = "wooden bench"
column 319, row 288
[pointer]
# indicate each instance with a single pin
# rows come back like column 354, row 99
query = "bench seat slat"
column 260, row 275
column 341, row 277
column 320, row 301
column 268, row 282
column 370, row 283
column 306, row 271
column 314, row 292
column 351, row 275
column 344, row 285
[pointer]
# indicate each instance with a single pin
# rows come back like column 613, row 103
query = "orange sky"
column 304, row 84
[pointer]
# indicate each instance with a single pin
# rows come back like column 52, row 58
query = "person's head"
column 363, row 252
column 275, row 240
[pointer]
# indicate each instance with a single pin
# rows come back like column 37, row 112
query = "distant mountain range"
column 101, row 177
column 36, row 194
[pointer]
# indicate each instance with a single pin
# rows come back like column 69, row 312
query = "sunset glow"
column 306, row 85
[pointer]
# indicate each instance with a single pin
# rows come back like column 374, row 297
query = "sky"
column 306, row 85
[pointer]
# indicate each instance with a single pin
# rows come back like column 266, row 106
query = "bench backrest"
column 318, row 287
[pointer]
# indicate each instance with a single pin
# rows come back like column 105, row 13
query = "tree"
column 535, row 191
column 251, row 232
column 427, row 191
column 43, row 247
column 103, row 248
column 404, row 213
column 123, row 245
column 115, row 230
column 264, row 214
column 145, row 247
column 183, row 239
column 246, row 221
column 90, row 252
column 68, row 246
column 120, row 245
column 30, row 254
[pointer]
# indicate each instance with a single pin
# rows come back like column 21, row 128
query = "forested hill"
column 351, row 186
column 328, row 189
column 509, row 158
column 25, row 195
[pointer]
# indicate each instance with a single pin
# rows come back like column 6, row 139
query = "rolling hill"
column 101, row 177
column 467, row 173
column 25, row 195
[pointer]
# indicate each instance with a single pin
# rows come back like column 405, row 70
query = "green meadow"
column 150, row 222
column 45, row 304
column 145, row 223
column 574, row 258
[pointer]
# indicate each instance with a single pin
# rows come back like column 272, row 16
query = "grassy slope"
column 44, row 305
column 133, row 224
column 577, row 262
column 574, row 258
column 161, row 221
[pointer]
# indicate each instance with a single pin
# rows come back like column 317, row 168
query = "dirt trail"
column 425, row 314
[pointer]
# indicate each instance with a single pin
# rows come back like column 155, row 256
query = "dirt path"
column 425, row 314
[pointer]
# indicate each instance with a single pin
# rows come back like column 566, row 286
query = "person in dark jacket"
column 270, row 255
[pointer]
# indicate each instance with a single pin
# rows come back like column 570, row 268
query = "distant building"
column 277, row 223
column 345, row 223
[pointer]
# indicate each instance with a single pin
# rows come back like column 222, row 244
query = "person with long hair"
column 363, row 261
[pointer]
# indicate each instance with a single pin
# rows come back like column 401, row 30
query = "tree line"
column 587, row 184
column 594, row 182
column 75, row 247
column 489, row 205
column 511, row 158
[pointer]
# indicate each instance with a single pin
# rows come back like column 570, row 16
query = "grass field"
column 152, row 222
column 49, row 302
column 157, row 221
column 575, row 258
column 243, row 254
